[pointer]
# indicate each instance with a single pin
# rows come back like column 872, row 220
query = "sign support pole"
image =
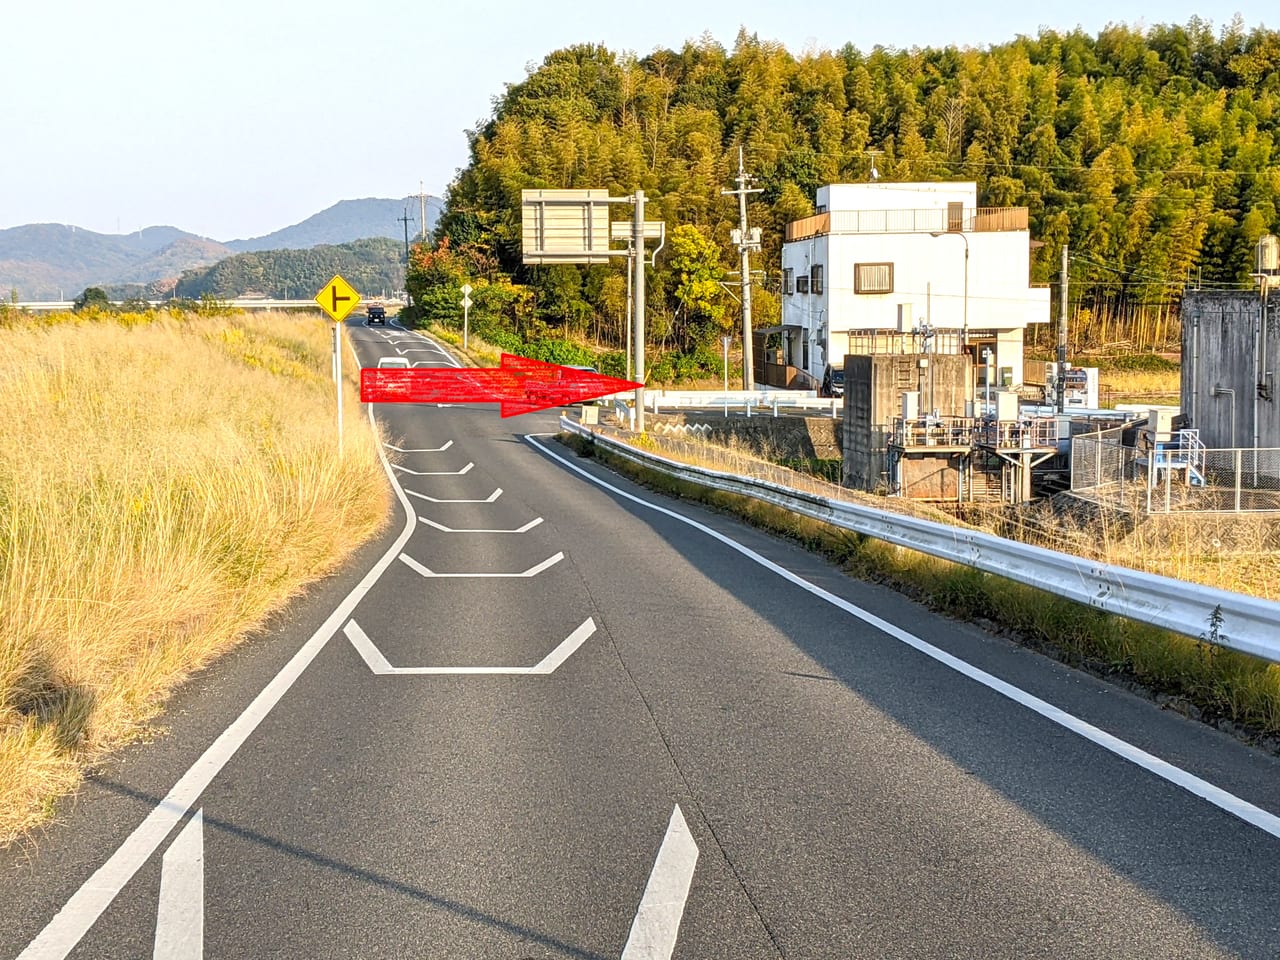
column 637, row 310
column 337, row 365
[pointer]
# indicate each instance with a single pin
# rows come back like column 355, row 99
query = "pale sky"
column 237, row 117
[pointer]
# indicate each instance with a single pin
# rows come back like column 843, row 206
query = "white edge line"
column 69, row 925
column 447, row 445
column 379, row 665
column 180, row 915
column 440, row 526
column 489, row 499
column 434, row 473
column 531, row 572
column 1236, row 806
column 657, row 923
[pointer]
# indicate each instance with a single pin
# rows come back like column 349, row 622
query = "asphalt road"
column 555, row 721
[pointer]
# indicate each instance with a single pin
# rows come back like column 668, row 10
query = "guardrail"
column 241, row 303
column 751, row 402
column 1247, row 624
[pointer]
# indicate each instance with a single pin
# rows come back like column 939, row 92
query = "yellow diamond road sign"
column 337, row 299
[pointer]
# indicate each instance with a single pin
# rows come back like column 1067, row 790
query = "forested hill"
column 1151, row 151
column 375, row 267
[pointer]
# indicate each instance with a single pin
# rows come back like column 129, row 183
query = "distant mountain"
column 374, row 266
column 45, row 261
column 51, row 261
column 345, row 221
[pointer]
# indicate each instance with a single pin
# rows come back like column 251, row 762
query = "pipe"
column 1219, row 390
column 1257, row 340
column 1195, row 363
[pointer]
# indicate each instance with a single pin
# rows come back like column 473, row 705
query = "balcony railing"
column 955, row 432
column 968, row 220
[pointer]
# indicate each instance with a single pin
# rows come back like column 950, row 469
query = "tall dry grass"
column 164, row 484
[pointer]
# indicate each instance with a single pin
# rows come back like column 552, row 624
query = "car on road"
column 377, row 313
column 400, row 362
column 832, row 383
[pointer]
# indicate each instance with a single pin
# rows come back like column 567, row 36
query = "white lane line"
column 72, row 922
column 380, row 666
column 440, row 526
column 423, row 338
column 489, row 499
column 180, row 918
column 657, row 922
column 447, row 445
column 1222, row 799
column 434, row 473
column 408, row 350
column 531, row 572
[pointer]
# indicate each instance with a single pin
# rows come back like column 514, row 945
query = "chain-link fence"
column 1105, row 471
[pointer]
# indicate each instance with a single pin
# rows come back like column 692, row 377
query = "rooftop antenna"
column 875, row 174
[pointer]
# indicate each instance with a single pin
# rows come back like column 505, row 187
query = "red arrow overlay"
column 520, row 384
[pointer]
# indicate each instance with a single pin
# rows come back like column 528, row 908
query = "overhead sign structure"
column 337, row 298
column 520, row 384
column 565, row 226
column 623, row 230
column 573, row 226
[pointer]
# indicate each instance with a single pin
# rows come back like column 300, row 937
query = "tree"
column 90, row 299
column 695, row 265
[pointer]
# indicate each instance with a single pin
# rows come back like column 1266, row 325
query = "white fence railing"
column 1248, row 624
column 751, row 402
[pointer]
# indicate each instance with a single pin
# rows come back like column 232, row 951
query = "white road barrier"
column 1247, row 624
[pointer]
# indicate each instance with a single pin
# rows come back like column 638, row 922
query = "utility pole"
column 748, row 240
column 422, row 210
column 1062, row 335
column 406, row 220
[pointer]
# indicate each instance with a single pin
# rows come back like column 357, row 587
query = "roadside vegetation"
column 166, row 482
column 1206, row 682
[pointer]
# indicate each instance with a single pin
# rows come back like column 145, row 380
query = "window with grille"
column 802, row 284
column 873, row 278
column 815, row 278
column 788, row 280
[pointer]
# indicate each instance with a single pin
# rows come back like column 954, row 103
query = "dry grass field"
column 165, row 483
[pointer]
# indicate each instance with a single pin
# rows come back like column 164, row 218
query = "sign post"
column 338, row 298
column 573, row 226
column 726, row 341
column 466, row 312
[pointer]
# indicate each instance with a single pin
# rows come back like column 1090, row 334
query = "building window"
column 815, row 278
column 788, row 280
column 802, row 284
column 873, row 278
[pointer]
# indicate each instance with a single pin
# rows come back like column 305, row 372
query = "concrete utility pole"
column 1062, row 335
column 422, row 210
column 406, row 220
column 748, row 240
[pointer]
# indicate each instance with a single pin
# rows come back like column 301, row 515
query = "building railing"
column 933, row 432
column 1041, row 432
column 930, row 220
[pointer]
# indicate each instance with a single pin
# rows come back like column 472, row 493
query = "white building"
column 908, row 268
